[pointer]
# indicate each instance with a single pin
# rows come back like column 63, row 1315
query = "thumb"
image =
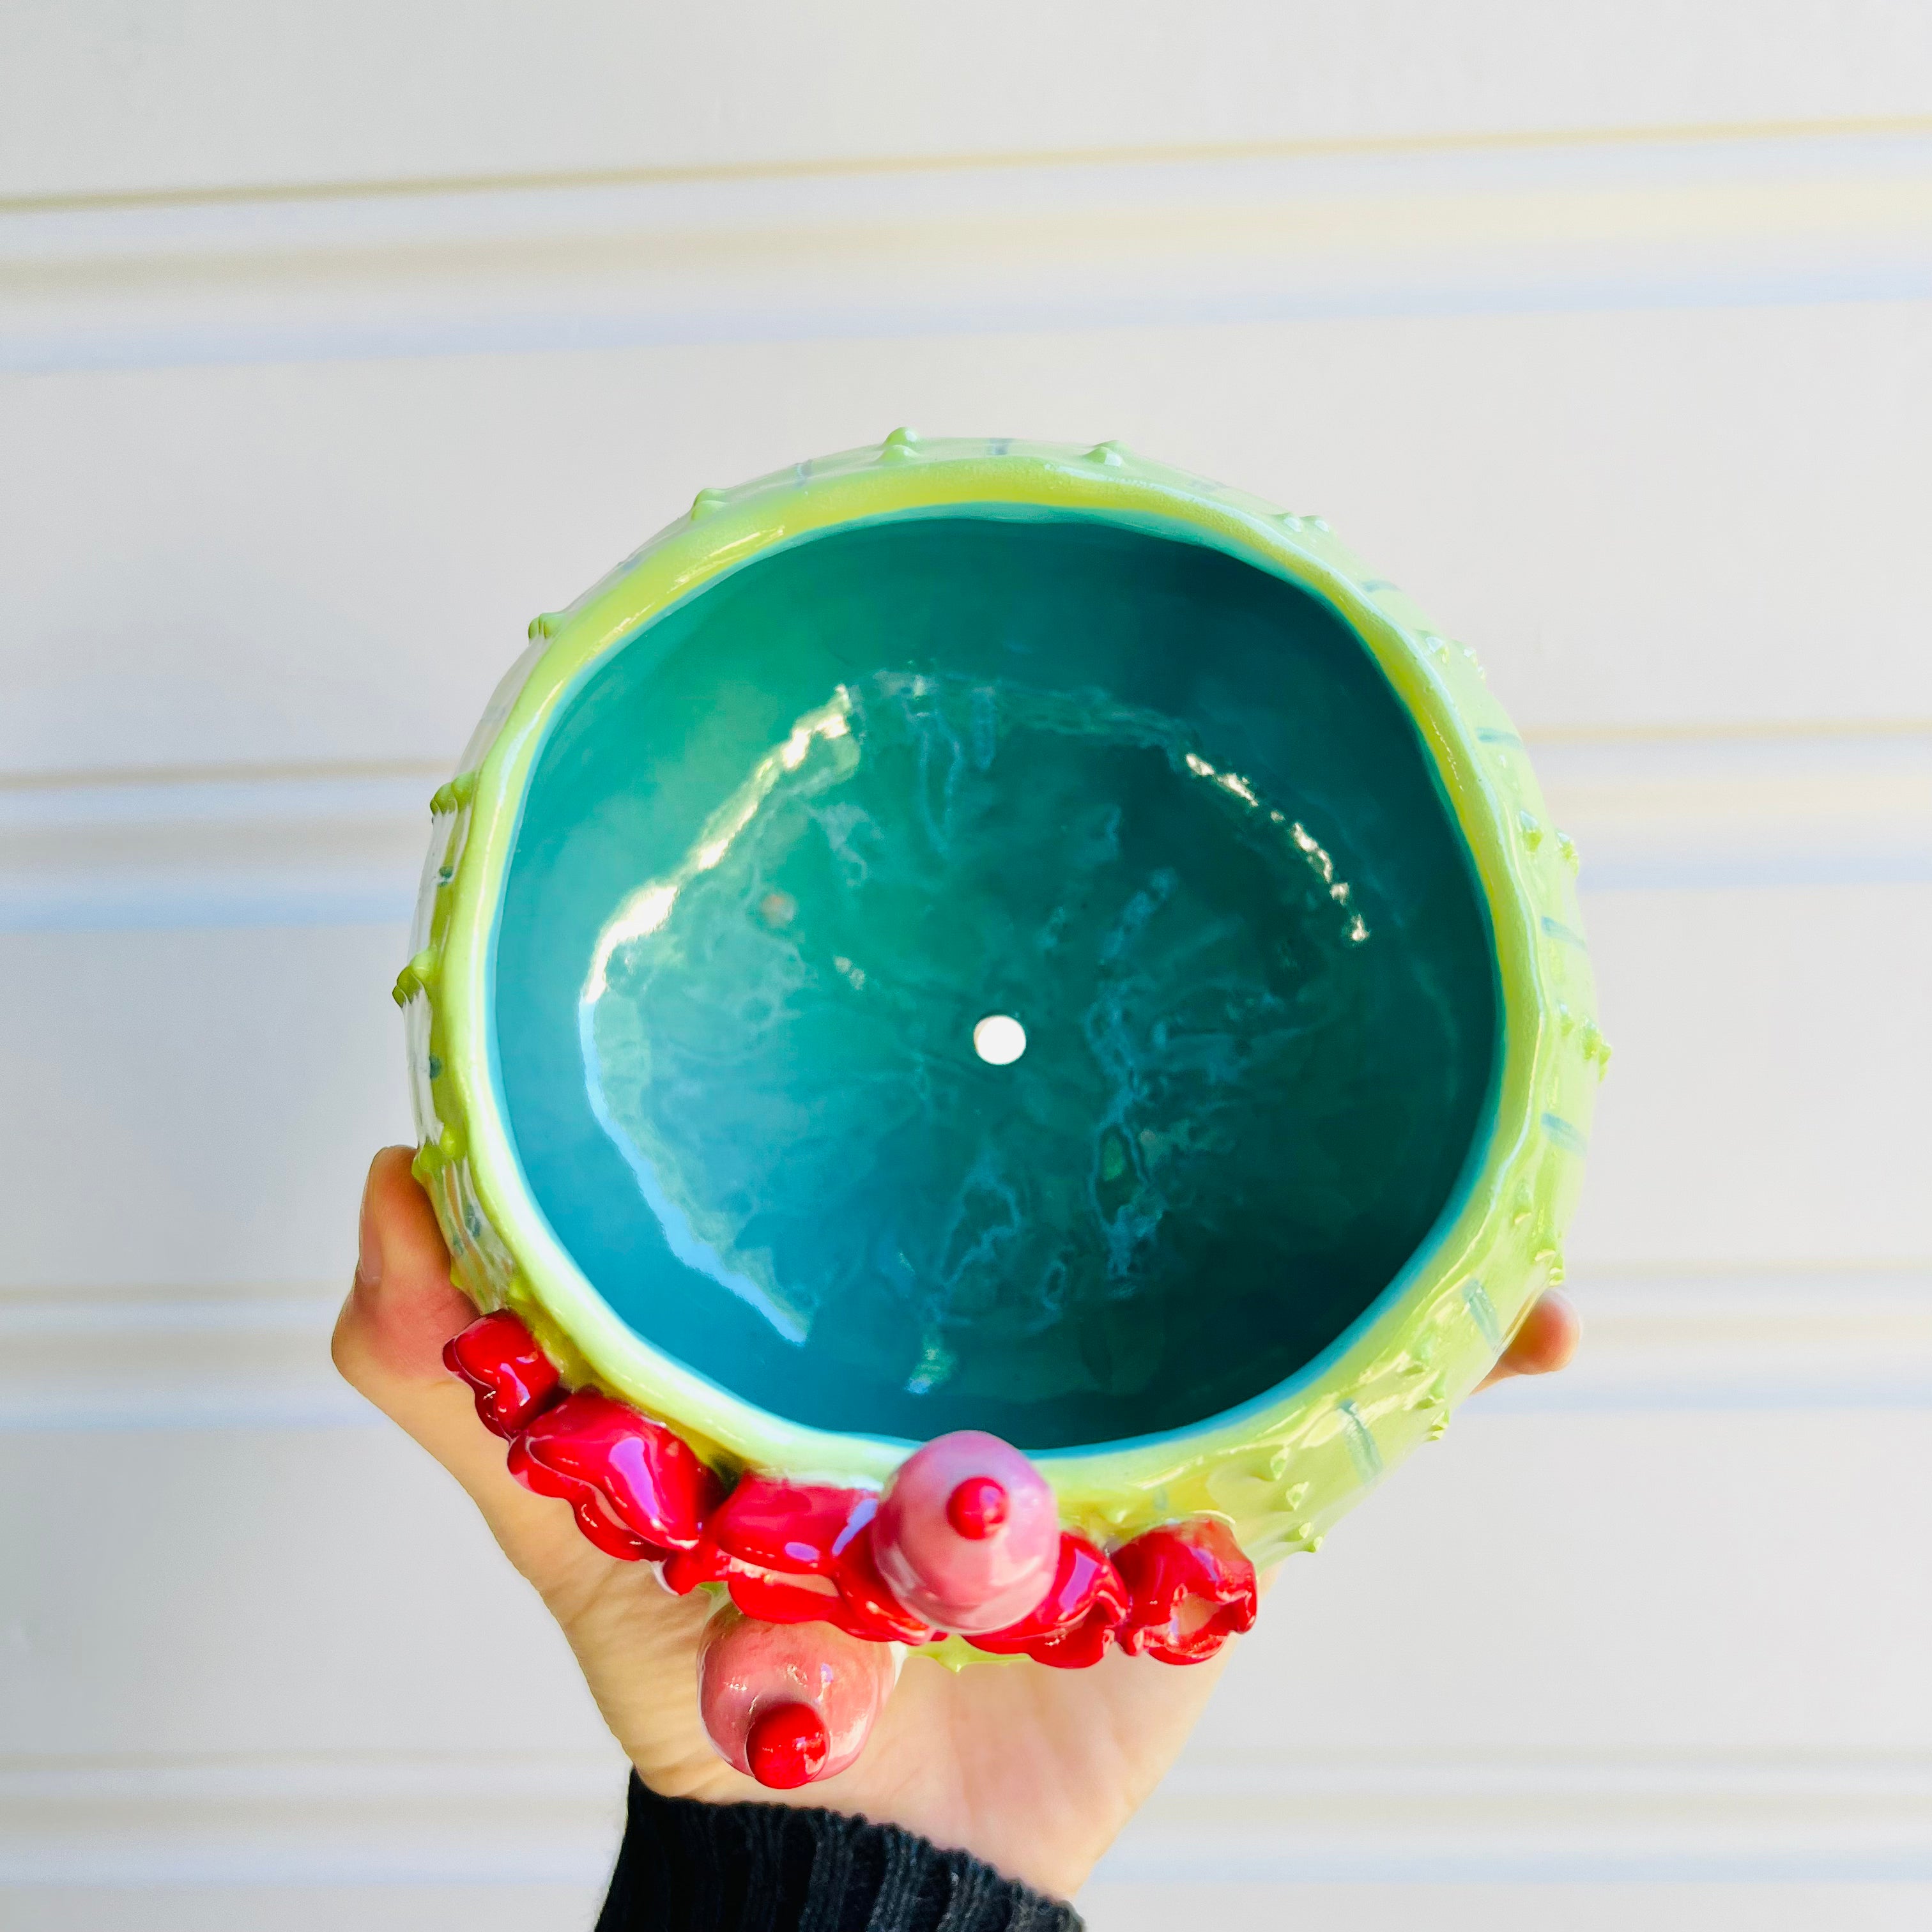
column 401, row 1307
column 388, row 1342
column 1545, row 1342
column 635, row 1641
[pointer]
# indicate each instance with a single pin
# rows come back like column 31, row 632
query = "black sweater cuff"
column 685, row 1867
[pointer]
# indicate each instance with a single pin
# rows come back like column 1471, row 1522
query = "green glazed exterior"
column 1281, row 1468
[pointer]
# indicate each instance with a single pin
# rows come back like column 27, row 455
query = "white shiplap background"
column 336, row 341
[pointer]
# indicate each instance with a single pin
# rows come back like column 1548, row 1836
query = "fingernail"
column 368, row 1248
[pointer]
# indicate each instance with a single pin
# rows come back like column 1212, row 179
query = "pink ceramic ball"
column 968, row 1534
column 788, row 1704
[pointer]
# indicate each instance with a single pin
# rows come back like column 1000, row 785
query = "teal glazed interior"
column 780, row 852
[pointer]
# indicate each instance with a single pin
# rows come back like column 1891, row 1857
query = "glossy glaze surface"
column 784, row 851
column 895, row 1569
column 1073, row 1626
column 638, row 1491
column 1282, row 1468
column 788, row 1704
column 1190, row 1589
column 968, row 1533
column 511, row 1379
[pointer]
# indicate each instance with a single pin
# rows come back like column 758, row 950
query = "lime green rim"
column 1279, row 1469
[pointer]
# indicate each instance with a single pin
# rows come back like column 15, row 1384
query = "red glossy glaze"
column 785, row 1600
column 794, row 1553
column 1191, row 1590
column 796, row 1528
column 799, row 1552
column 1072, row 1628
column 686, row 1569
column 638, row 1490
column 786, row 1746
column 977, row 1507
column 513, row 1379
column 870, row 1609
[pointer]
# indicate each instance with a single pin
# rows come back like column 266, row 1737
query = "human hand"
column 1033, row 1770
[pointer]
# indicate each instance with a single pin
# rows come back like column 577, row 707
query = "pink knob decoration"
column 968, row 1534
column 788, row 1704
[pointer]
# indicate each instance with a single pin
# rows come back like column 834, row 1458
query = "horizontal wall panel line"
column 1792, row 808
column 372, row 1817
column 1799, row 1338
column 1044, row 245
column 236, row 1357
column 332, row 849
column 346, row 848
column 1275, row 1817
column 420, row 1818
column 75, row 1358
column 1159, row 153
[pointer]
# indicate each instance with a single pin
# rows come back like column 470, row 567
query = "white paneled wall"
column 108, row 97
column 334, row 343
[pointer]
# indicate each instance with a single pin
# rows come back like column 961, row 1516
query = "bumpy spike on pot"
column 788, row 1704
column 968, row 1535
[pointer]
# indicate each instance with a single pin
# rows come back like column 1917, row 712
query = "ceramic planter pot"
column 978, row 936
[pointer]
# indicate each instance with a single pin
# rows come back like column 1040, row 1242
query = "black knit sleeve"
column 690, row 1867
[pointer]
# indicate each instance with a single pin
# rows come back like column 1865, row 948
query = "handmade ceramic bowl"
column 978, row 935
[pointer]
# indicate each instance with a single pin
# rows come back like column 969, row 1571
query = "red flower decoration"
column 639, row 1491
column 1075, row 1622
column 1192, row 1590
column 802, row 1552
column 498, row 1357
column 868, row 1608
column 798, row 1528
column 799, row 1552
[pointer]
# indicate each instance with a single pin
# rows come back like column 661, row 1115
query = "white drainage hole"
column 999, row 1040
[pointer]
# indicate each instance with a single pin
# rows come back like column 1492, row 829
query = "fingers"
column 1545, row 1342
